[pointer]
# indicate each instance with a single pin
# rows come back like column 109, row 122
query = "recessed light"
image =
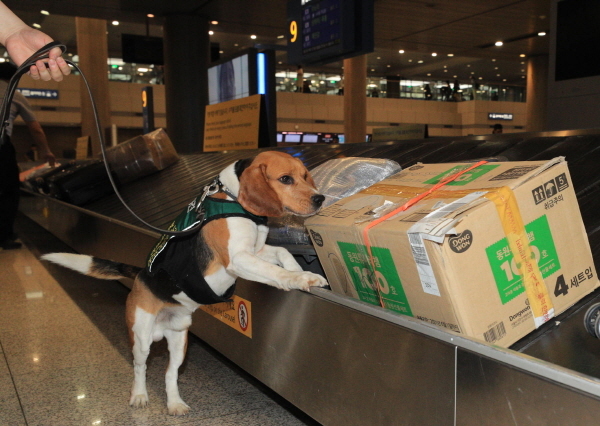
column 280, row 36
column 503, row 79
column 44, row 12
column 401, row 51
column 379, row 57
column 498, row 43
column 421, row 62
column 481, row 78
column 389, row 66
column 211, row 32
column 372, row 69
column 434, row 54
column 253, row 37
column 497, row 75
column 38, row 26
column 150, row 15
column 428, row 74
column 115, row 23
column 214, row 22
column 542, row 33
column 450, row 54
column 522, row 55
column 410, row 60
column 493, row 60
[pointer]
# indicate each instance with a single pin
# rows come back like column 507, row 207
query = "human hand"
column 25, row 42
column 50, row 158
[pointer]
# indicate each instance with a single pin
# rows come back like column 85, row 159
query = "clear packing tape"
column 336, row 179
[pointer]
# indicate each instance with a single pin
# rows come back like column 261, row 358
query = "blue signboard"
column 39, row 93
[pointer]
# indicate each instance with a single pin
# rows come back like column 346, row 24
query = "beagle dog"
column 184, row 272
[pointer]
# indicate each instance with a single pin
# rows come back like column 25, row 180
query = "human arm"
column 39, row 138
column 22, row 41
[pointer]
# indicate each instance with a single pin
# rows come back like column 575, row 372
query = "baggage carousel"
column 344, row 362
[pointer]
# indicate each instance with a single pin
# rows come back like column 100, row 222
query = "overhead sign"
column 325, row 31
column 39, row 93
column 232, row 124
column 399, row 133
column 499, row 116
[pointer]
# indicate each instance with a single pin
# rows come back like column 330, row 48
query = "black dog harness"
column 176, row 262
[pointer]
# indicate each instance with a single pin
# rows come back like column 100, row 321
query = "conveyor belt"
column 160, row 197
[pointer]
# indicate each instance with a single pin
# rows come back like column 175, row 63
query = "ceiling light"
column 44, row 12
column 401, row 51
column 115, row 23
column 498, row 43
column 428, row 74
column 450, row 54
column 542, row 33
column 421, row 62
column 143, row 69
column 410, row 60
column 150, row 15
column 481, row 78
column 503, row 79
column 497, row 75
column 280, row 36
column 493, row 60
column 38, row 26
column 253, row 37
column 389, row 66
column 379, row 57
column 522, row 55
column 214, row 22
column 211, row 32
column 434, row 54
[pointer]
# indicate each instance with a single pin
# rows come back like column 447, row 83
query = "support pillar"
column 537, row 93
column 355, row 99
column 187, row 57
column 92, row 48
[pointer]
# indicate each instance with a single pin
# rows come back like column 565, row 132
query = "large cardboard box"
column 493, row 254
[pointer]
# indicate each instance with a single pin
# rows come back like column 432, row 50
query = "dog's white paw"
column 178, row 408
column 305, row 280
column 139, row 401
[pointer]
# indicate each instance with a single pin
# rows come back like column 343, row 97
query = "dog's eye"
column 286, row 180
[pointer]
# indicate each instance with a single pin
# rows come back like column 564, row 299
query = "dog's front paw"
column 305, row 280
column 139, row 401
column 178, row 408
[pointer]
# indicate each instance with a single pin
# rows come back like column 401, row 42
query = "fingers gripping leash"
column 42, row 54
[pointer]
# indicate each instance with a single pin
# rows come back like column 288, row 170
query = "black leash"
column 43, row 53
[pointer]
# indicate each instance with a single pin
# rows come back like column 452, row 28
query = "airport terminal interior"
column 421, row 83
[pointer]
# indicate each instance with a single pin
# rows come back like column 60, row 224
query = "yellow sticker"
column 237, row 314
column 514, row 229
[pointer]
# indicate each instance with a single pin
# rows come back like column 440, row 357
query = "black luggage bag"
column 82, row 183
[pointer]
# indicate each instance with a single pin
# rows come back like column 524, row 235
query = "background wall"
column 305, row 112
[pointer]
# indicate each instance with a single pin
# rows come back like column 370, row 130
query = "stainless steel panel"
column 340, row 366
column 491, row 393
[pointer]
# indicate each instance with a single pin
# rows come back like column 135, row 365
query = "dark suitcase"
column 40, row 182
column 81, row 184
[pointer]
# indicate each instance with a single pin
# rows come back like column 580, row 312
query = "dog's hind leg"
column 142, row 339
column 177, row 342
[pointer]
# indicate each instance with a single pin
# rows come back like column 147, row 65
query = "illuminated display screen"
column 321, row 25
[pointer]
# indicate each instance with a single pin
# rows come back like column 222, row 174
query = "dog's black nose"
column 318, row 199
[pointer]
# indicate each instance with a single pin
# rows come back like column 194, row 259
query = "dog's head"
column 274, row 183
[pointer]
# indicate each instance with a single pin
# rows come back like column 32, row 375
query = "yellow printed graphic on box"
column 236, row 313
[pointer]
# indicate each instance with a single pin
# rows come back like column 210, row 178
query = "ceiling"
column 466, row 29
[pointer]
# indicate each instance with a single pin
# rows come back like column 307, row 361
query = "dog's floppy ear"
column 256, row 195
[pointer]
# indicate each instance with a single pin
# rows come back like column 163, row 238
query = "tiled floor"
column 65, row 359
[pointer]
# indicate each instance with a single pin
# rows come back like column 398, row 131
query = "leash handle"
column 44, row 53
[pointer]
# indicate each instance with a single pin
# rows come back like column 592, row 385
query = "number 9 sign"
column 293, row 31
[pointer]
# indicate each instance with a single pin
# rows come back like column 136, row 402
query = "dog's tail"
column 93, row 266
